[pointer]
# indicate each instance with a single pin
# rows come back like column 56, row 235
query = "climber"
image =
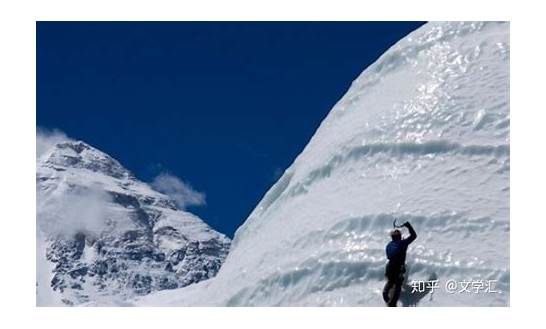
column 396, row 253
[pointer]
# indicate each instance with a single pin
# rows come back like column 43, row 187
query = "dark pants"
column 395, row 279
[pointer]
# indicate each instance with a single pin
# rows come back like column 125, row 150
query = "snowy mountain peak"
column 77, row 154
column 108, row 236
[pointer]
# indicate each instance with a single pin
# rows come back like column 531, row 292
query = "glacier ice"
column 421, row 135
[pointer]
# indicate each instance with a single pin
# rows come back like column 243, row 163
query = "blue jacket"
column 396, row 250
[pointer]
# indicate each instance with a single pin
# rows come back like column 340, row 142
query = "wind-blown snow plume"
column 181, row 192
column 82, row 211
column 46, row 139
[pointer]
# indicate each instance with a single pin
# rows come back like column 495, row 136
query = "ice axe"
column 395, row 225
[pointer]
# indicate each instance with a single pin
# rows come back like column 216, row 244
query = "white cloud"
column 61, row 213
column 180, row 192
column 45, row 139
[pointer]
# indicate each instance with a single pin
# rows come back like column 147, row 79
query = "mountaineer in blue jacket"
column 396, row 267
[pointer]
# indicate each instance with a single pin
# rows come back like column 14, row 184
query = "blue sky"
column 225, row 107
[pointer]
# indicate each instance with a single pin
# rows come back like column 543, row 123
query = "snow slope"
column 104, row 236
column 422, row 135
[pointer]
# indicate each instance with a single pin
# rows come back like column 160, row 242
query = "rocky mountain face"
column 110, row 236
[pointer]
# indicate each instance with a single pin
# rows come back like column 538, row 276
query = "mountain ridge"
column 110, row 235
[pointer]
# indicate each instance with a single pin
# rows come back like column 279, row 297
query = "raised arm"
column 413, row 235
